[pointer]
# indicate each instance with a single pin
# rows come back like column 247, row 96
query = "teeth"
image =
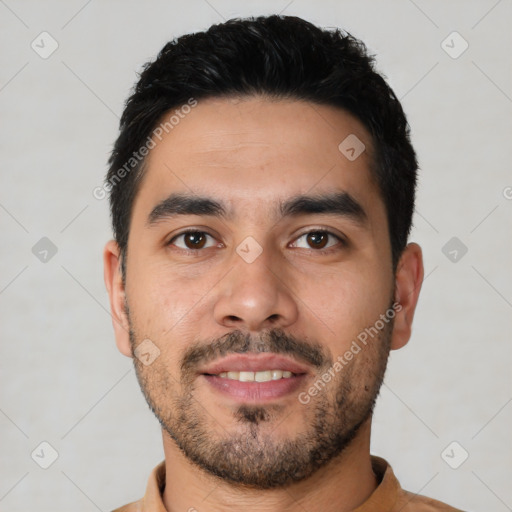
column 246, row 376
column 263, row 376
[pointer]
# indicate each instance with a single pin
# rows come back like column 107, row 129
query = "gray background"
column 62, row 379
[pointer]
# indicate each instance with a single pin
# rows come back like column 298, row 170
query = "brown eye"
column 318, row 240
column 192, row 240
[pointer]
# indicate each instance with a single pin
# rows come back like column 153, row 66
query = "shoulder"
column 135, row 506
column 409, row 502
column 397, row 499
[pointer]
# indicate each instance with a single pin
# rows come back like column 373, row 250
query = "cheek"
column 345, row 302
column 167, row 305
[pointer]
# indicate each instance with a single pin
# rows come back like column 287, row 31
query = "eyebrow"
column 340, row 204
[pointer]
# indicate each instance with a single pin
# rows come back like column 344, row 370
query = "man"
column 262, row 190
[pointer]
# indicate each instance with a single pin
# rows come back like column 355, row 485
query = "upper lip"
column 254, row 363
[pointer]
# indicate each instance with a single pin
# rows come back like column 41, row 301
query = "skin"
column 252, row 153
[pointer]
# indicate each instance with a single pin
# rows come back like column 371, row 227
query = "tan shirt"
column 387, row 497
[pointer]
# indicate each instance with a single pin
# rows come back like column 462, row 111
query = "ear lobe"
column 408, row 281
column 116, row 291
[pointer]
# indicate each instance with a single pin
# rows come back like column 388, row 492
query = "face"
column 258, row 257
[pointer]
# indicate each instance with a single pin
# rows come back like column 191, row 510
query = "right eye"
column 191, row 240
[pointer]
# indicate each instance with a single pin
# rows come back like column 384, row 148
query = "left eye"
column 317, row 240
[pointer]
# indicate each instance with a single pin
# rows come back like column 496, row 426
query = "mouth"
column 255, row 377
column 261, row 376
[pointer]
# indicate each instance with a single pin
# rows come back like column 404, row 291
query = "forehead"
column 254, row 151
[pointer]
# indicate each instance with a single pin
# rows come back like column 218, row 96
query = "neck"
column 342, row 485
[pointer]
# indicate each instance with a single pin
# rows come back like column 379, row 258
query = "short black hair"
column 282, row 57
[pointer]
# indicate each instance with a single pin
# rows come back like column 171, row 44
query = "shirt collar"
column 382, row 499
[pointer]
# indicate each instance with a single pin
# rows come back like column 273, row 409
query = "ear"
column 408, row 280
column 114, row 283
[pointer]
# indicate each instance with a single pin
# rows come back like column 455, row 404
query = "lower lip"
column 256, row 391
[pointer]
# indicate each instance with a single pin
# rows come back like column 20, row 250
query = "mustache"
column 237, row 342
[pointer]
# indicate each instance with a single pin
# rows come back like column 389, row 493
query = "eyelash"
column 329, row 250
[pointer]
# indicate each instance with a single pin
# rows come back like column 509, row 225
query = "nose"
column 255, row 296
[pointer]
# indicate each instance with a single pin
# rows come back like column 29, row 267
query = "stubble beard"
column 253, row 456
